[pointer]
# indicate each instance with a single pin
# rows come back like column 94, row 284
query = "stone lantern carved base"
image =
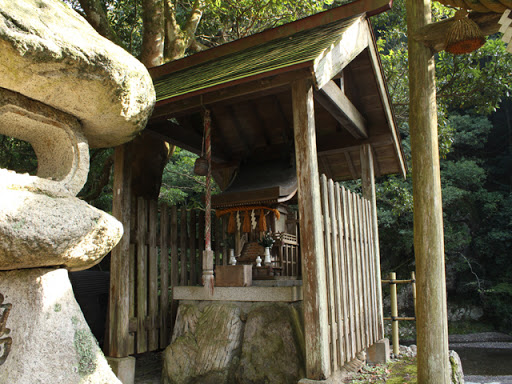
column 50, row 340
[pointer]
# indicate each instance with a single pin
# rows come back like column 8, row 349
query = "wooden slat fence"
column 351, row 276
column 166, row 251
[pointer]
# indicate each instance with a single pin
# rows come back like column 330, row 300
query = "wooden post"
column 368, row 186
column 432, row 324
column 312, row 245
column 394, row 313
column 119, row 299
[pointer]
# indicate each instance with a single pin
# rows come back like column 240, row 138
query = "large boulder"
column 273, row 346
column 49, row 53
column 204, row 345
column 242, row 343
column 43, row 335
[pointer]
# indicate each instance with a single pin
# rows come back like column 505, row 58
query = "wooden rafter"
column 332, row 61
column 341, row 108
column 331, row 144
column 351, row 166
column 384, row 96
column 184, row 138
column 256, row 87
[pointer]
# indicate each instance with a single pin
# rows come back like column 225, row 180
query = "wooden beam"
column 119, row 298
column 386, row 102
column 351, row 167
column 318, row 366
column 232, row 92
column 332, row 98
column 434, row 35
column 369, row 193
column 377, row 171
column 432, row 323
column 240, row 131
column 332, row 61
column 183, row 138
column 337, row 143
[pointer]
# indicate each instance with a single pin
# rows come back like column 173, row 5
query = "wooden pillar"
column 431, row 324
column 118, row 325
column 368, row 185
column 312, row 243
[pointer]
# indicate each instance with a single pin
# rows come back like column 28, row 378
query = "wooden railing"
column 353, row 299
column 166, row 251
column 288, row 254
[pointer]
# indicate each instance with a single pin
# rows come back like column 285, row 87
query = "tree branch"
column 153, row 37
column 97, row 17
column 103, row 180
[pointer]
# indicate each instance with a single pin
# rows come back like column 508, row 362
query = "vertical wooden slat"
column 117, row 343
column 133, row 301
column 164, row 275
column 371, row 279
column 183, row 248
column 174, row 262
column 343, row 271
column 350, row 271
column 368, row 186
column 200, row 237
column 153, row 277
column 357, row 271
column 367, row 275
column 193, row 249
column 336, row 271
column 142, row 286
column 324, row 193
column 217, row 237
column 225, row 248
column 364, row 274
column 310, row 211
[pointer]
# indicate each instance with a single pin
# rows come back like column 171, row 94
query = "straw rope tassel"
column 464, row 36
column 247, row 223
column 208, row 279
column 262, row 222
column 231, row 223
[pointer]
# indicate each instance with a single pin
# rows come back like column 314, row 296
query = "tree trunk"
column 432, row 328
column 153, row 37
column 96, row 16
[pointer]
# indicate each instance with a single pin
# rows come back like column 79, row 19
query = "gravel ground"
column 149, row 365
column 148, row 368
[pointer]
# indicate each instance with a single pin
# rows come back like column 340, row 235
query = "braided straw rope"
column 482, row 6
column 208, row 279
column 208, row 213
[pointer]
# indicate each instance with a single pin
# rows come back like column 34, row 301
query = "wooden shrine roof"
column 246, row 85
column 300, row 48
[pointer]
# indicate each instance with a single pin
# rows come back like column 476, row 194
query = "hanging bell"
column 201, row 166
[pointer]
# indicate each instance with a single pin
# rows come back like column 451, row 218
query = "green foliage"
column 226, row 20
column 97, row 191
column 179, row 183
column 17, row 155
column 125, row 17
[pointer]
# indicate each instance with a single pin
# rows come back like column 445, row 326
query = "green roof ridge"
column 301, row 47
